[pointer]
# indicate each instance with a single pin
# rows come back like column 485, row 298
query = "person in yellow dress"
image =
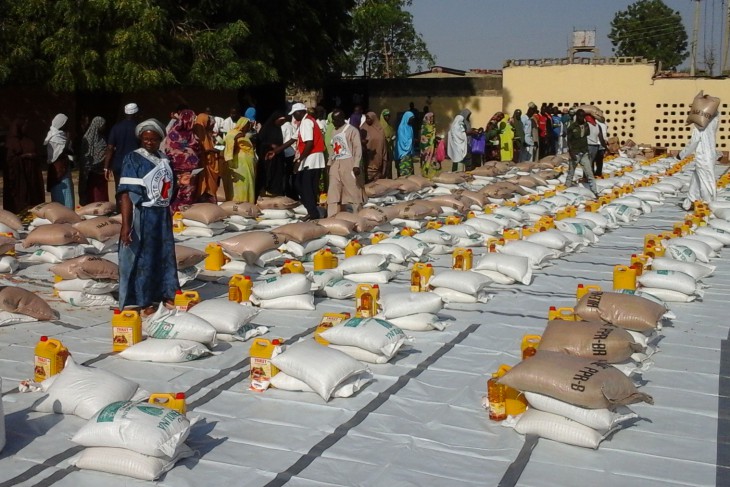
column 240, row 156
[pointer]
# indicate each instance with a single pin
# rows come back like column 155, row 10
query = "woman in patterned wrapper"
column 182, row 148
column 147, row 264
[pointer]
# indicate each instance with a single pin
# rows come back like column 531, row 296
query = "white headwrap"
column 56, row 139
column 151, row 124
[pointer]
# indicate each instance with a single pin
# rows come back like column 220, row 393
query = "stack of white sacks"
column 579, row 383
column 124, row 435
column 179, row 336
column 286, row 291
column 278, row 211
column 412, row 311
column 372, row 268
column 461, row 286
column 241, row 216
column 370, row 340
column 188, row 262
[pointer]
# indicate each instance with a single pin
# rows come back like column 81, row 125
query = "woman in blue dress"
column 147, row 265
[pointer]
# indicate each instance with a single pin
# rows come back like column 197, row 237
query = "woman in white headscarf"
column 59, row 182
column 147, row 265
column 459, row 133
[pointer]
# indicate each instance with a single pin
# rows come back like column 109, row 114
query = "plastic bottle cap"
column 276, row 341
column 117, row 311
column 287, row 261
column 375, row 286
column 248, row 278
column 580, row 286
column 44, row 338
column 429, row 265
column 553, row 308
column 180, row 395
column 178, row 291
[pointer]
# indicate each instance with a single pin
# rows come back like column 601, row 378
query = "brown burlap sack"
column 421, row 181
column 546, row 174
column 10, row 220
column 525, row 166
column 54, row 234
column 361, row 224
column 589, row 339
column 7, row 244
column 101, row 228
column 450, row 201
column 337, row 226
column 374, row 214
column 594, row 111
column 471, row 197
column 188, row 256
column 703, row 108
column 379, row 188
column 86, row 267
column 487, row 172
column 277, row 203
column 579, row 381
column 417, row 210
column 624, row 310
column 408, row 186
column 450, row 178
column 526, row 181
column 250, row 245
column 247, row 210
column 18, row 300
column 301, row 232
column 55, row 213
column 204, row 213
column 392, row 211
column 98, row 209
column 613, row 145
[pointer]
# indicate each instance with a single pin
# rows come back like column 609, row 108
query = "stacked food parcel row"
column 394, row 269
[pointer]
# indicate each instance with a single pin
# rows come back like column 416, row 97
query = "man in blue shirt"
column 122, row 140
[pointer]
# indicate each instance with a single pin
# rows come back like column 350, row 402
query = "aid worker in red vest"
column 309, row 161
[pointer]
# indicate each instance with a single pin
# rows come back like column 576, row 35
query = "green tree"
column 129, row 45
column 650, row 29
column 386, row 42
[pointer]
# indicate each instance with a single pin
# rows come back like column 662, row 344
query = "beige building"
column 639, row 104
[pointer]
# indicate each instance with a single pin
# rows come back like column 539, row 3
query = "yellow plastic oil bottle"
column 592, row 206
column 641, row 261
column 650, row 240
column 239, row 288
column 177, row 224
column 184, row 300
column 434, row 225
column 452, row 220
column 328, row 321
column 461, row 259
column 377, row 237
column 324, row 259
column 215, row 260
column 527, row 231
column 514, row 401
column 292, row 267
column 511, row 234
column 470, row 215
column 624, row 277
column 262, row 370
column 565, row 314
column 50, row 358
column 420, row 275
column 655, row 251
column 366, row 300
column 497, row 400
column 584, row 289
column 352, row 248
column 529, row 346
column 171, row 401
column 408, row 232
column 126, row 329
column 56, row 278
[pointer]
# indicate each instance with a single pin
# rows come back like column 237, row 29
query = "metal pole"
column 695, row 30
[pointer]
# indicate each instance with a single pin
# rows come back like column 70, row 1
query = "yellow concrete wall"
column 445, row 108
column 646, row 110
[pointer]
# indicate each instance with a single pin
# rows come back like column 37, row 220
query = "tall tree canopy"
column 386, row 42
column 128, row 45
column 651, row 29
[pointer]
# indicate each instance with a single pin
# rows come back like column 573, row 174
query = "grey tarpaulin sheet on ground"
column 420, row 422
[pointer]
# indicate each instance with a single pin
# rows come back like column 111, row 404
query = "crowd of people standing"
column 299, row 152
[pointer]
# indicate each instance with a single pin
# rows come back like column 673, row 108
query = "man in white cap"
column 122, row 140
column 309, row 161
